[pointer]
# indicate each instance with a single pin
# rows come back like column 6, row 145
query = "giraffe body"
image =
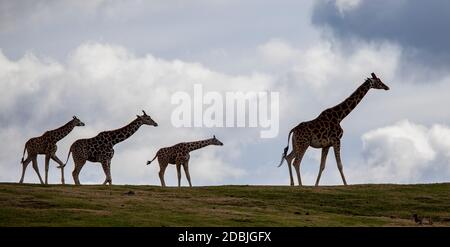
column 179, row 155
column 322, row 137
column 100, row 149
column 46, row 145
column 325, row 131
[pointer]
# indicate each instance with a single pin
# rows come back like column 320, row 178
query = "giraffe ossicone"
column 325, row 131
column 179, row 155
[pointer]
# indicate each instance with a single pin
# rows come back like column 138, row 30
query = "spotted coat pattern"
column 46, row 145
column 325, row 131
column 101, row 147
column 179, row 155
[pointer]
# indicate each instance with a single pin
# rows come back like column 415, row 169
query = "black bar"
column 225, row 236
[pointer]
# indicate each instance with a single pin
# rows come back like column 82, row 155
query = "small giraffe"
column 101, row 147
column 46, row 144
column 325, row 131
column 179, row 156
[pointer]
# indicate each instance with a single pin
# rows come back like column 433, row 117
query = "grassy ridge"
column 356, row 205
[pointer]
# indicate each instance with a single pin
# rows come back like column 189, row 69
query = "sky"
column 107, row 60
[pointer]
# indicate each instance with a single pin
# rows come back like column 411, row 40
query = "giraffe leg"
column 76, row 171
column 296, row 165
column 162, row 170
column 62, row 176
column 322, row 163
column 61, row 165
column 109, row 172
column 179, row 174
column 186, row 171
column 107, row 169
column 36, row 169
column 298, row 159
column 337, row 154
column 289, row 158
column 47, row 164
column 24, row 167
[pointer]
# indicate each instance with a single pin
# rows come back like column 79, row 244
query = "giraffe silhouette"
column 179, row 155
column 46, row 144
column 325, row 131
column 101, row 147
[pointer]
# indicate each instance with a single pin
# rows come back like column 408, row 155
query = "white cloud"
column 439, row 136
column 277, row 51
column 25, row 74
column 322, row 75
column 325, row 64
column 211, row 170
column 405, row 152
column 346, row 5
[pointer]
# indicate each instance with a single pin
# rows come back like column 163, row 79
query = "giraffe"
column 101, row 147
column 46, row 144
column 325, row 131
column 179, row 155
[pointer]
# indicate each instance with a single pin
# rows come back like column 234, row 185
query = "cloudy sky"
column 106, row 60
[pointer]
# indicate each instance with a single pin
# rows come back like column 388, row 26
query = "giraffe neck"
column 121, row 134
column 347, row 106
column 198, row 144
column 61, row 132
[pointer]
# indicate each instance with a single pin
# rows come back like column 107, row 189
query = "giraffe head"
column 376, row 83
column 77, row 122
column 146, row 119
column 215, row 141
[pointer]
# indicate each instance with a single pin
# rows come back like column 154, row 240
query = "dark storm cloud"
column 419, row 26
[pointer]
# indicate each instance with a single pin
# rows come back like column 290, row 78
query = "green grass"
column 356, row 205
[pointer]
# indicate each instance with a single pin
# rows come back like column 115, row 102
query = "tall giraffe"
column 101, row 147
column 179, row 156
column 325, row 131
column 46, row 144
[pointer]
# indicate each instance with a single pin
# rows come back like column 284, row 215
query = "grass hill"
column 126, row 205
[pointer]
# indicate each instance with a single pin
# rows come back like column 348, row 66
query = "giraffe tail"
column 67, row 160
column 23, row 155
column 283, row 156
column 150, row 161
